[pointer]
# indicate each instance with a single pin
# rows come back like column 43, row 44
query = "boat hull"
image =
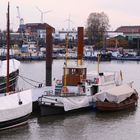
column 14, row 123
column 15, row 109
column 12, row 82
column 51, row 110
column 55, row 110
column 109, row 106
column 51, row 105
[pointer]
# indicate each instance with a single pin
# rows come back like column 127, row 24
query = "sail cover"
column 116, row 94
column 14, row 65
column 71, row 103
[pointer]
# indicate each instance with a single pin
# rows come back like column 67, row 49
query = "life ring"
column 64, row 90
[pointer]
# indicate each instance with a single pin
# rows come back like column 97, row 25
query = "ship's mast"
column 8, row 47
column 66, row 62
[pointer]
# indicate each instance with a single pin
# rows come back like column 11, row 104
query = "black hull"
column 36, row 107
column 50, row 110
column 12, row 82
column 46, row 110
column 14, row 123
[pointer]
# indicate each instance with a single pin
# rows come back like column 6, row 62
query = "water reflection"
column 21, row 132
column 117, row 115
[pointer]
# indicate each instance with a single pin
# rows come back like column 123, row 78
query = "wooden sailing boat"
column 14, row 108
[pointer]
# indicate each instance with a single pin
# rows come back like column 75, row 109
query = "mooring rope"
column 25, row 79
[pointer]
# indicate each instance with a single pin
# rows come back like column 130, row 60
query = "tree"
column 97, row 25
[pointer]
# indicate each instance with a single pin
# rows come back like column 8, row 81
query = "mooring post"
column 49, row 49
column 80, row 45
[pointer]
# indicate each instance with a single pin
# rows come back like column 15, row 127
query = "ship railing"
column 12, row 84
column 44, row 99
column 9, row 80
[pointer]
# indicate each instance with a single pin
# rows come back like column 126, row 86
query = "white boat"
column 14, row 108
column 13, row 74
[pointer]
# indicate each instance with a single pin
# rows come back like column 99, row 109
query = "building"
column 128, row 29
column 112, row 34
column 61, row 35
column 37, row 30
column 132, row 32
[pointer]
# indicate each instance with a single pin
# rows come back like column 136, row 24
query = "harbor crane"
column 21, row 21
column 21, row 25
column 42, row 13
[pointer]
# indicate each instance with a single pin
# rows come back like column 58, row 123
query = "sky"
column 120, row 12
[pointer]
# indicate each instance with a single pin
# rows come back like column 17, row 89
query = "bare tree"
column 97, row 25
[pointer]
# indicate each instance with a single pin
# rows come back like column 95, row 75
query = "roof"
column 39, row 26
column 76, row 66
column 128, row 29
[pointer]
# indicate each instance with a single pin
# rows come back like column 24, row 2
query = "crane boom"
column 18, row 14
column 21, row 21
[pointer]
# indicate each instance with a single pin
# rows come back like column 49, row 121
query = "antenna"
column 69, row 21
column 42, row 13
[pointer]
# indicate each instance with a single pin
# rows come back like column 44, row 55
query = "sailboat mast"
column 8, row 47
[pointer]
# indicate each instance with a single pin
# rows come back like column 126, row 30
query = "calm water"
column 122, row 125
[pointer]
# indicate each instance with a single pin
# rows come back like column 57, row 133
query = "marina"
column 78, row 83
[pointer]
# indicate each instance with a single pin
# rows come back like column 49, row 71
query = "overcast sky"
column 120, row 12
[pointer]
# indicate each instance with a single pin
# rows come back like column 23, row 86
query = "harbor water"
column 86, row 125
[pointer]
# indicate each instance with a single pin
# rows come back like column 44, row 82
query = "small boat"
column 92, row 55
column 14, row 108
column 13, row 74
column 117, row 98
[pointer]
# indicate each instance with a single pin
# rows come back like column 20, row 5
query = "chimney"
column 80, row 45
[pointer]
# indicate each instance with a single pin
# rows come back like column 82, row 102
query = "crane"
column 21, row 25
column 21, row 21
column 42, row 13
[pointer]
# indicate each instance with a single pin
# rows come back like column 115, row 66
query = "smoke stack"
column 80, row 45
